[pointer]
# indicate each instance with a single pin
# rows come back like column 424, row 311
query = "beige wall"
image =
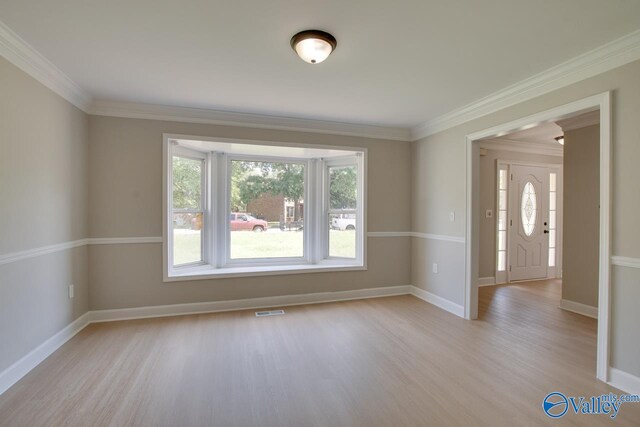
column 43, row 199
column 439, row 173
column 43, row 189
column 488, row 186
column 625, row 296
column 126, row 201
column 581, row 214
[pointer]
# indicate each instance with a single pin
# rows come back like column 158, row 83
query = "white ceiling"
column 542, row 134
column 538, row 139
column 545, row 133
column 397, row 64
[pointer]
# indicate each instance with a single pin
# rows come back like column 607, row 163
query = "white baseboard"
column 624, row 381
column 576, row 307
column 12, row 374
column 486, row 281
column 244, row 304
column 440, row 302
column 19, row 369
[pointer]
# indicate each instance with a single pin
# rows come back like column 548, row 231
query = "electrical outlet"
column 489, row 213
column 71, row 291
column 435, row 268
column 452, row 216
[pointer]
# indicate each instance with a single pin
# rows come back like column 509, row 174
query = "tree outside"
column 187, row 183
column 250, row 180
column 342, row 188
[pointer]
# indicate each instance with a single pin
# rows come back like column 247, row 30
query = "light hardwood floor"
column 388, row 361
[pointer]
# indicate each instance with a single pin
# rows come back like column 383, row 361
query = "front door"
column 528, row 213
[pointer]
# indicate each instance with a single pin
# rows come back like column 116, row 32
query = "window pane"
column 267, row 209
column 187, row 238
column 502, row 200
column 552, row 220
column 528, row 208
column 502, row 240
column 274, row 243
column 187, row 183
column 502, row 220
column 552, row 238
column 502, row 260
column 552, row 257
column 342, row 187
column 552, row 182
column 342, row 235
column 552, row 201
column 502, row 185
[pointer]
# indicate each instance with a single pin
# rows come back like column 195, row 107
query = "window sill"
column 201, row 273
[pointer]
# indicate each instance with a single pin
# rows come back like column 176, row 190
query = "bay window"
column 247, row 208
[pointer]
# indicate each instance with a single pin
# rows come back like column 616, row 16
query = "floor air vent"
column 269, row 313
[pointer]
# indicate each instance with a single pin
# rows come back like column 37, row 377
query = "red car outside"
column 243, row 221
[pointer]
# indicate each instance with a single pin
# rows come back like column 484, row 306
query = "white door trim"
column 601, row 102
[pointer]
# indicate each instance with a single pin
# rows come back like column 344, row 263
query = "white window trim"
column 204, row 201
column 342, row 162
column 217, row 262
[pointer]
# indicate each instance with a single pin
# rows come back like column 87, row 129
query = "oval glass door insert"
column 528, row 208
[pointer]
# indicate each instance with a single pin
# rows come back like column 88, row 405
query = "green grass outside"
column 186, row 247
column 248, row 244
column 342, row 243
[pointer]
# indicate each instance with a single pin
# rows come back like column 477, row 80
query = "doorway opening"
column 527, row 227
column 531, row 242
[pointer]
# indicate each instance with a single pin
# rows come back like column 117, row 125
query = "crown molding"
column 225, row 118
column 604, row 58
column 505, row 144
column 28, row 59
column 24, row 56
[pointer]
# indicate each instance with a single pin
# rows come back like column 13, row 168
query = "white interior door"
column 528, row 231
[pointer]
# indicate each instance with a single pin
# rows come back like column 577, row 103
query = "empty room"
column 358, row 213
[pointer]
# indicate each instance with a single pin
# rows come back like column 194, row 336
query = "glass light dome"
column 313, row 46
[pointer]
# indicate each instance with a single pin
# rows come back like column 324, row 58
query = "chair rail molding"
column 624, row 261
column 443, row 237
column 44, row 250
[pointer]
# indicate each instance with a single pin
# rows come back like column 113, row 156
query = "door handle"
column 546, row 231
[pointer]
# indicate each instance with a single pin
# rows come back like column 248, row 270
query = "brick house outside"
column 274, row 208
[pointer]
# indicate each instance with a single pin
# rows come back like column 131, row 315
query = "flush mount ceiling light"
column 313, row 46
column 560, row 139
